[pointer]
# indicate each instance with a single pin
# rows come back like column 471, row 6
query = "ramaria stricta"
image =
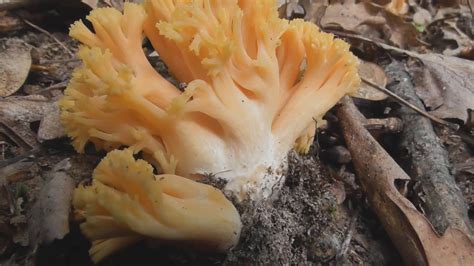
column 256, row 84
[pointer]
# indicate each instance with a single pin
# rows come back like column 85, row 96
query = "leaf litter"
column 15, row 63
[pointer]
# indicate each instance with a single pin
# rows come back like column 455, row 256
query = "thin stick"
column 347, row 240
column 59, row 85
column 60, row 61
column 50, row 35
column 413, row 107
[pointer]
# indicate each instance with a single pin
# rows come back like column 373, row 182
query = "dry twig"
column 412, row 106
column 50, row 35
column 341, row 254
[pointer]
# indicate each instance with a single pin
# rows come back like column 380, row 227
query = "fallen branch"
column 410, row 231
column 442, row 201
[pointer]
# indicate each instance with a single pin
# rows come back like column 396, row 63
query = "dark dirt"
column 303, row 226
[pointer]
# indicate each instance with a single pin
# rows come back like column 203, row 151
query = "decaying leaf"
column 49, row 217
column 314, row 10
column 451, row 32
column 444, row 83
column 15, row 171
column 410, row 231
column 374, row 73
column 15, row 63
column 17, row 114
column 370, row 20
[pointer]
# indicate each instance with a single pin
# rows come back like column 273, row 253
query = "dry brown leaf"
column 350, row 16
column 374, row 73
column 315, row 10
column 412, row 234
column 16, row 115
column 15, row 172
column 451, row 32
column 445, row 84
column 15, row 63
column 371, row 21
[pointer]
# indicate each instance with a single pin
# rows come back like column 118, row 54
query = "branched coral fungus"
column 127, row 203
column 247, row 99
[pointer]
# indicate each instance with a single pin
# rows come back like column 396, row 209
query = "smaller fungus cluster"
column 127, row 203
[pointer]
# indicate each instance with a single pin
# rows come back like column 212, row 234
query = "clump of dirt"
column 288, row 230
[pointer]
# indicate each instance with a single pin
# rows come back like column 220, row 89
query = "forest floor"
column 324, row 213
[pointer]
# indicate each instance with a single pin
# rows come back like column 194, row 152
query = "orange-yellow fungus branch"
column 255, row 85
column 127, row 203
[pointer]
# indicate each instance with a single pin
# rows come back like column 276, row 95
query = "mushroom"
column 248, row 98
column 126, row 203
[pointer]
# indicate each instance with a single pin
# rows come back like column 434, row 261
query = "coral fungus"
column 127, row 203
column 247, row 101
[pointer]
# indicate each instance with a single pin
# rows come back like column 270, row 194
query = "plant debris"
column 15, row 63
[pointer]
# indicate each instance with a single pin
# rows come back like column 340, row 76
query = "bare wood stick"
column 440, row 198
column 412, row 106
column 60, row 85
column 384, row 125
column 340, row 256
column 50, row 35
